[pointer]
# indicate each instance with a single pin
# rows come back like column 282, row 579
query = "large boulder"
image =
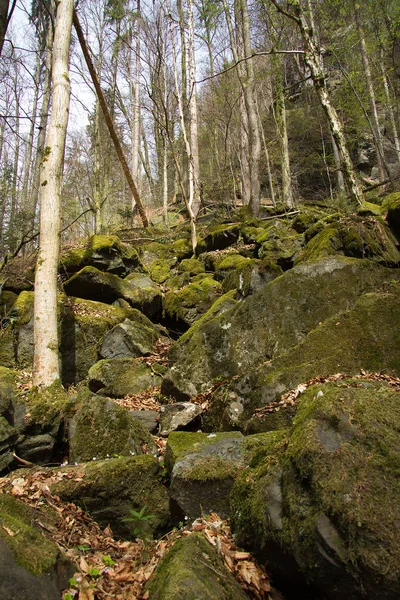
column 109, row 490
column 203, row 468
column 364, row 338
column 105, row 252
column 321, row 499
column 137, row 289
column 118, row 377
column 31, row 423
column 355, row 236
column 193, row 569
column 268, row 323
column 31, row 566
column 82, row 327
column 129, row 339
column 189, row 303
column 101, row 428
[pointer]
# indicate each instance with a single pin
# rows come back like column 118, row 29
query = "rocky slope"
column 278, row 399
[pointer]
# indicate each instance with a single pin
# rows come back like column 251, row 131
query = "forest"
column 199, row 283
column 213, row 103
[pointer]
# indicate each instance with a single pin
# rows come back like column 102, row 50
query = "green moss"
column 222, row 304
column 191, row 301
column 48, row 405
column 160, row 269
column 109, row 489
column 182, row 443
column 325, row 243
column 192, row 570
column 345, row 444
column 31, row 549
column 118, row 377
column 368, row 209
column 101, row 428
column 192, row 266
column 232, row 261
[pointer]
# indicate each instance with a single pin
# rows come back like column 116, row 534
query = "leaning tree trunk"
column 45, row 362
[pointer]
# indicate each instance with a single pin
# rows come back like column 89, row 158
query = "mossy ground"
column 31, row 549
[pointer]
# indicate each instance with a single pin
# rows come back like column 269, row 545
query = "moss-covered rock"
column 161, row 259
column 31, row 566
column 189, row 303
column 110, row 489
column 191, row 266
column 175, row 382
column 129, row 340
column 101, row 428
column 137, row 289
column 324, row 493
column 218, row 237
column 82, row 326
column 117, row 377
column 203, row 468
column 250, row 276
column 269, row 322
column 368, row 209
column 391, row 205
column 357, row 236
column 192, row 570
column 105, row 252
column 362, row 338
column 143, row 294
column 7, row 300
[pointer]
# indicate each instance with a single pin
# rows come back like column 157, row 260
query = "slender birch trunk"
column 135, row 102
column 44, row 112
column 281, row 126
column 46, row 362
column 389, row 103
column 313, row 61
column 194, row 163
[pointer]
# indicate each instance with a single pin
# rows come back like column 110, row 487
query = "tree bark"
column 313, row 60
column 193, row 124
column 46, row 361
column 380, row 157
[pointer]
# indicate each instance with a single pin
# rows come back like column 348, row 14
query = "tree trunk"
column 109, row 123
column 389, row 104
column 380, row 157
column 281, row 126
column 313, row 61
column 250, row 100
column 193, row 124
column 135, row 101
column 44, row 111
column 46, row 362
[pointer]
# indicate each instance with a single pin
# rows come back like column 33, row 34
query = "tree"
column 312, row 58
column 46, row 360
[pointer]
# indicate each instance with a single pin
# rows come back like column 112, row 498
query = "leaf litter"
column 110, row 568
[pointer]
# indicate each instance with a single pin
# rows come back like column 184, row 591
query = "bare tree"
column 46, row 361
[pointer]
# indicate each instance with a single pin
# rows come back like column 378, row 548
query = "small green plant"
column 108, row 561
column 83, row 547
column 139, row 519
column 94, row 572
column 67, row 596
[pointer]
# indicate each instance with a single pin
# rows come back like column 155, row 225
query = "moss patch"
column 193, row 570
column 102, row 429
column 189, row 303
column 31, row 549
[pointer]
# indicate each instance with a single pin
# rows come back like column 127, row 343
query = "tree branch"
column 253, row 55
